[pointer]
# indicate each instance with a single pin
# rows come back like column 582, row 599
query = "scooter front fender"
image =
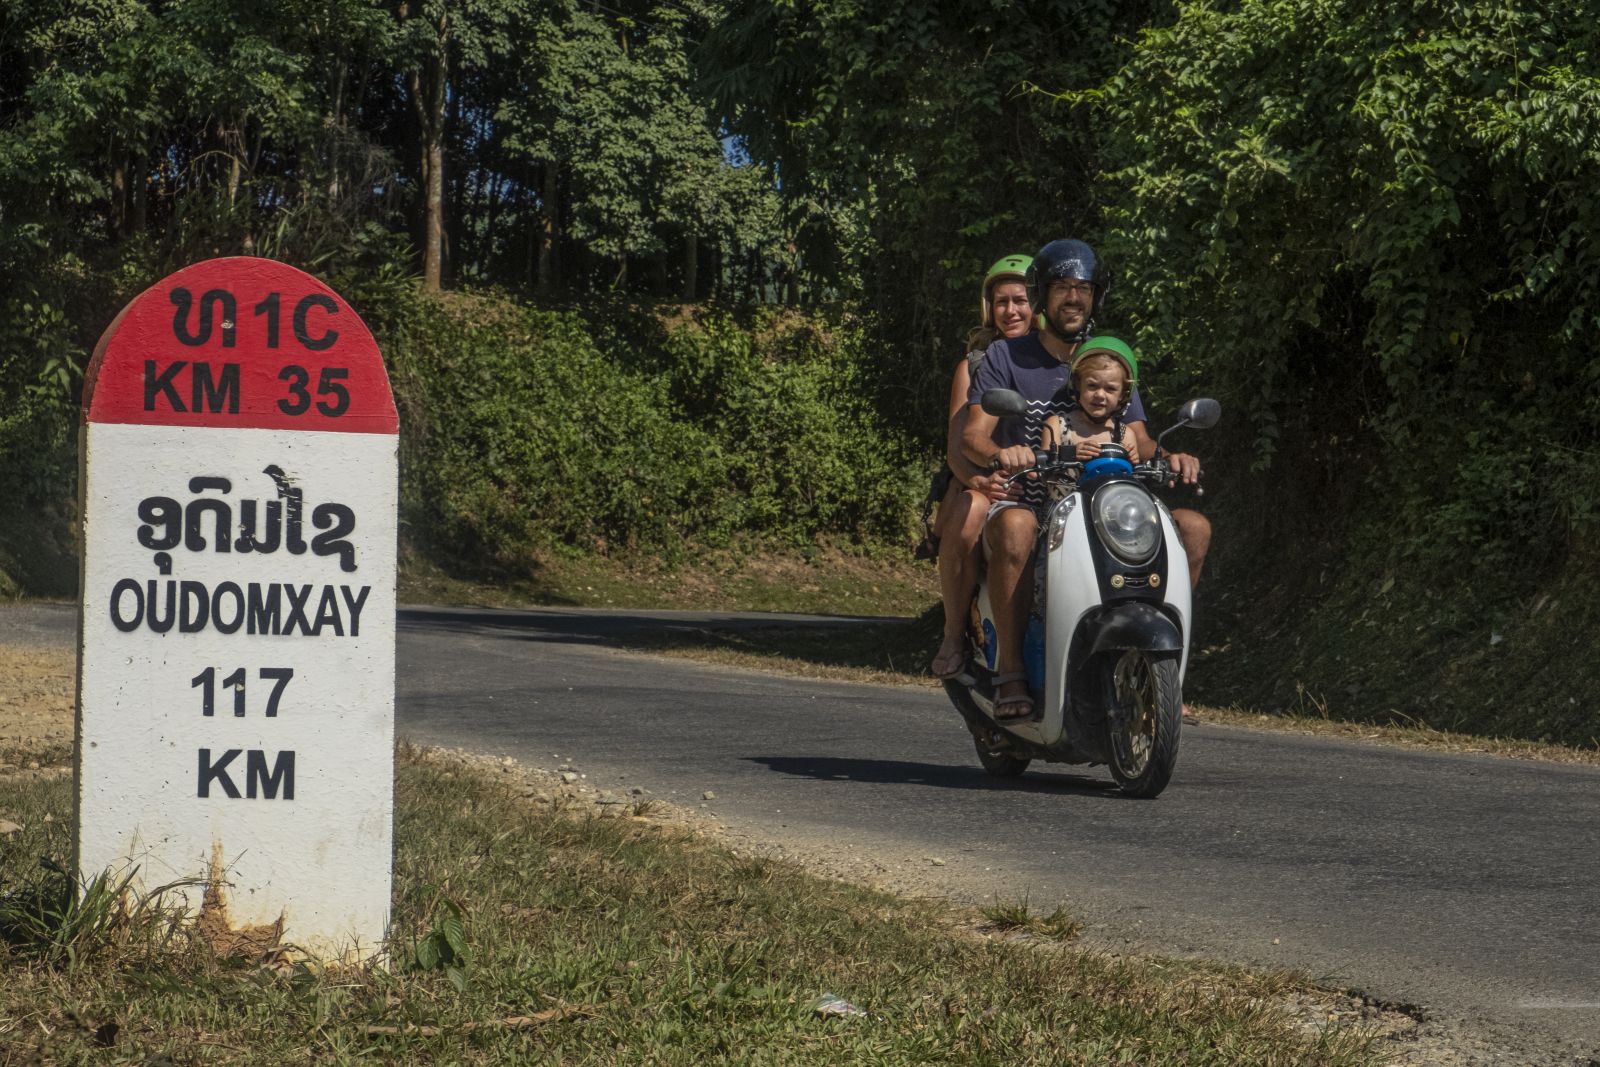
column 1120, row 627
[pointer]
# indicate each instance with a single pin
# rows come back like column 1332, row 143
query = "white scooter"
column 1107, row 643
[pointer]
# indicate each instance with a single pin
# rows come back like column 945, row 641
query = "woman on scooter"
column 959, row 524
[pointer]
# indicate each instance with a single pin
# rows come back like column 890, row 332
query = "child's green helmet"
column 1007, row 268
column 1111, row 346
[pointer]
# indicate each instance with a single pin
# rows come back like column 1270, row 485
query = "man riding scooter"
column 1067, row 284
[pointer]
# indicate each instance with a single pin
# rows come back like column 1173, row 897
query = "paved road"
column 1466, row 885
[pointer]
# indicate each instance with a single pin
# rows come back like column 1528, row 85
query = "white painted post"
column 236, row 627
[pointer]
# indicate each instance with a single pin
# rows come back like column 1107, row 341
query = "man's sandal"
column 1021, row 707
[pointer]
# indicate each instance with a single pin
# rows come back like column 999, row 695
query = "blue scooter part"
column 1105, row 467
column 1033, row 653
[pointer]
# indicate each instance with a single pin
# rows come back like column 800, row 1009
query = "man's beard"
column 1068, row 333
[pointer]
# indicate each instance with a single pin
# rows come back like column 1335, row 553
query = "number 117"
column 206, row 682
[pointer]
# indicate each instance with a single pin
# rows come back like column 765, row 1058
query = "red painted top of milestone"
column 244, row 343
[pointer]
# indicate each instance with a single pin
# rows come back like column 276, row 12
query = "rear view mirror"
column 1001, row 402
column 1200, row 414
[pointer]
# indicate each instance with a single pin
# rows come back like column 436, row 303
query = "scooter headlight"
column 1126, row 519
column 1058, row 522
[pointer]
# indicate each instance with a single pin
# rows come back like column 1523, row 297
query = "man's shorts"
column 1040, row 513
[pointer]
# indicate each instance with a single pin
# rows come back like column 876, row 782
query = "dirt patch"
column 216, row 929
column 37, row 687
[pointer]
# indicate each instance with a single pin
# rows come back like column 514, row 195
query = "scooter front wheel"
column 1000, row 764
column 1145, row 730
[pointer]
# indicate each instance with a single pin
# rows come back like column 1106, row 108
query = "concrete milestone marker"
column 236, row 637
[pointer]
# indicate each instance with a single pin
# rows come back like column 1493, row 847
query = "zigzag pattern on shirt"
column 1033, row 425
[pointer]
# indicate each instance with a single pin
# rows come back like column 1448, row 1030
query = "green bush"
column 528, row 430
column 523, row 431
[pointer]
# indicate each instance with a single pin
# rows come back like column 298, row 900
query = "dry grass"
column 1398, row 732
column 36, row 693
column 826, row 581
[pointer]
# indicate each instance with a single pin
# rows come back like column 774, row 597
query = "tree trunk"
column 234, row 146
column 117, row 219
column 549, row 207
column 463, row 194
column 691, row 267
column 789, row 287
column 434, row 207
column 335, row 127
column 139, row 186
column 491, row 214
column 428, row 86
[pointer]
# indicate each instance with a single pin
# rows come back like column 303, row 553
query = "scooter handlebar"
column 1157, row 472
column 1043, row 463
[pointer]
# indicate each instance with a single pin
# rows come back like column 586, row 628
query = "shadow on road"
column 857, row 641
column 943, row 776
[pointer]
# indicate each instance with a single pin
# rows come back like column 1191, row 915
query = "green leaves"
column 1327, row 152
column 909, row 136
column 527, row 432
column 1374, row 224
column 444, row 947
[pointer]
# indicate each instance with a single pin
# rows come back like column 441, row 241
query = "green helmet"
column 1114, row 347
column 1012, row 268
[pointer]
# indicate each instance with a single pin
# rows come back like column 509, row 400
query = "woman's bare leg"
column 961, row 516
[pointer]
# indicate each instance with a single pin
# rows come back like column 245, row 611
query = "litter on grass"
column 828, row 1005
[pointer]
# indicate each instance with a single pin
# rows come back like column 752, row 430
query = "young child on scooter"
column 1104, row 373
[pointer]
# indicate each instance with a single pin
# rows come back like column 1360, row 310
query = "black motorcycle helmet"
column 1068, row 258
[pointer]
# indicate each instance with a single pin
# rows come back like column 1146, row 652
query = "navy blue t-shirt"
column 1024, row 364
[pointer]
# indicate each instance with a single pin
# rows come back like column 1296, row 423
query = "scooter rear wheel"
column 1000, row 764
column 1144, row 735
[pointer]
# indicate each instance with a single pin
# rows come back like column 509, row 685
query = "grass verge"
column 524, row 932
column 891, row 651
column 823, row 581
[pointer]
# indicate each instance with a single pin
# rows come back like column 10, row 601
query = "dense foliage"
column 1402, row 194
column 534, row 145
column 1368, row 229
column 921, row 141
column 531, row 431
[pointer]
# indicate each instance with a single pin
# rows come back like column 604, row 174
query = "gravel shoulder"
column 36, row 695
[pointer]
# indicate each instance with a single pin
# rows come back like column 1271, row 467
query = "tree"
column 629, row 163
column 1406, row 190
column 440, row 40
column 913, row 149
